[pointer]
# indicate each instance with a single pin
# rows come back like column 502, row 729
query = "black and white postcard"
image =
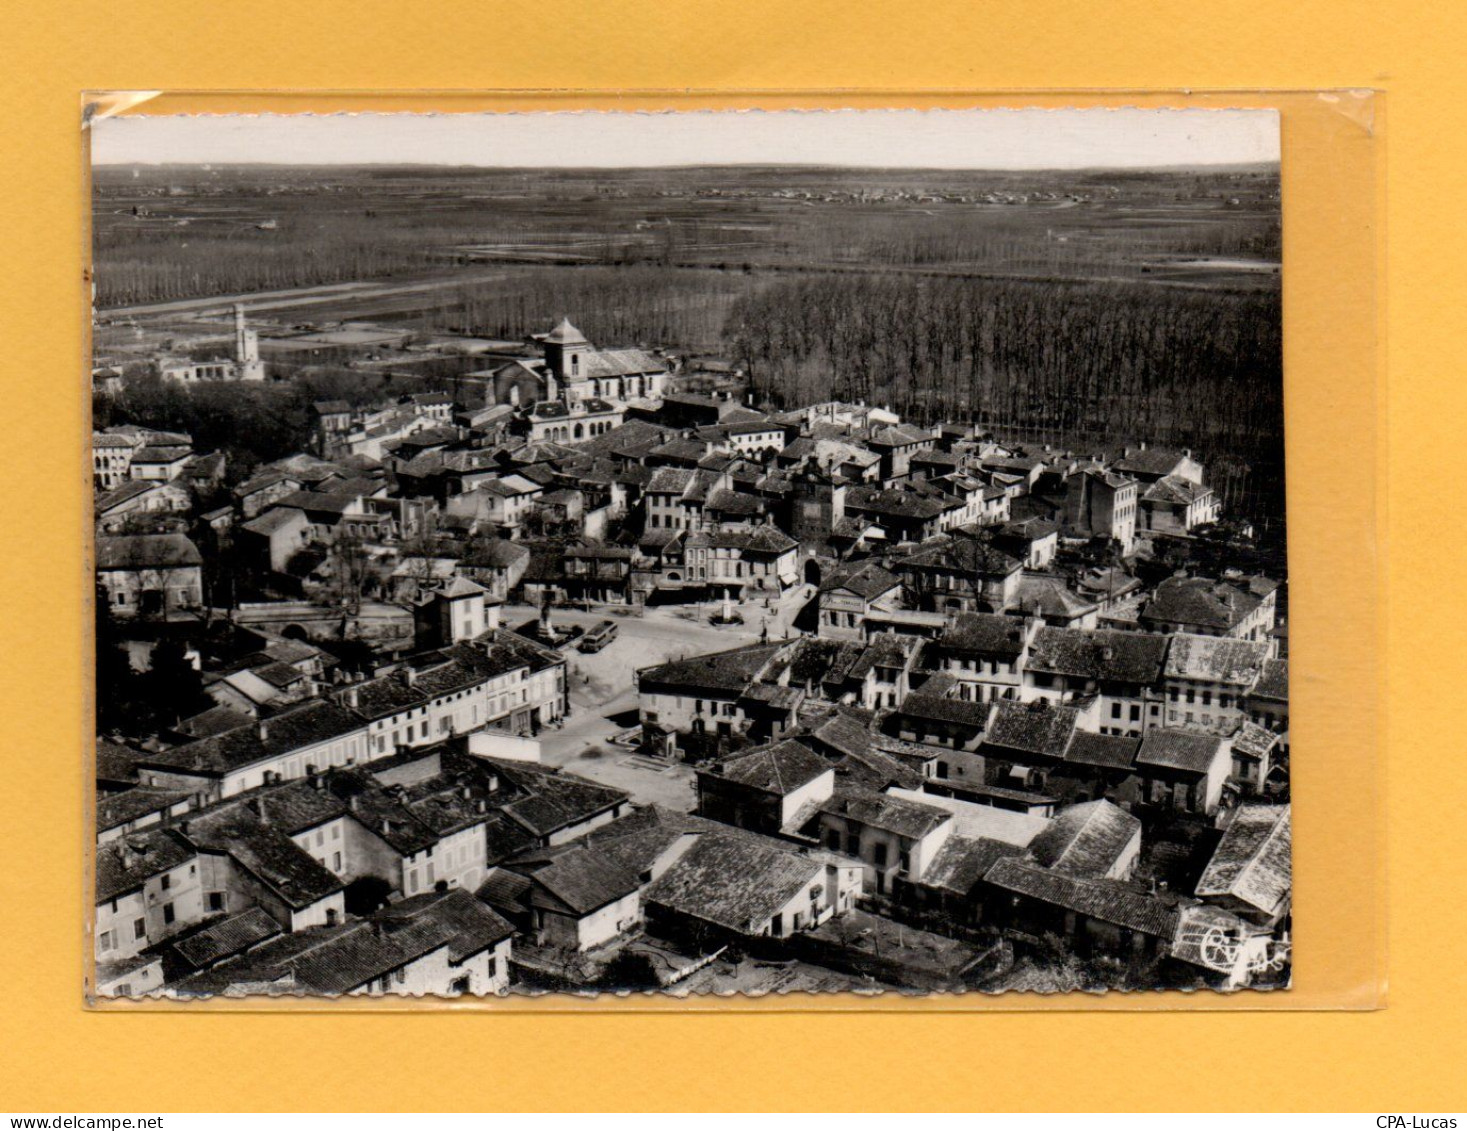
column 689, row 553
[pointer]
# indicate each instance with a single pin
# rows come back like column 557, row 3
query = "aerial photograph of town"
column 689, row 554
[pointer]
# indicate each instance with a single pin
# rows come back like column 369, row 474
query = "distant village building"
column 149, row 575
column 246, row 365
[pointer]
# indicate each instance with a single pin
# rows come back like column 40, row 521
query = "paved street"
column 603, row 690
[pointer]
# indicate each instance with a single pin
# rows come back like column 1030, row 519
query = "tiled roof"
column 1174, row 490
column 867, row 579
column 1169, row 748
column 962, row 555
column 735, row 502
column 1253, row 861
column 733, row 881
column 1050, row 597
column 1104, row 751
column 621, row 363
column 1031, row 728
column 1107, row 900
column 1200, row 601
column 1150, row 462
column 146, row 551
column 125, row 863
column 941, row 708
column 226, row 938
column 261, row 481
column 761, row 539
column 911, row 819
column 1253, row 739
column 336, row 960
column 162, row 454
column 467, row 924
column 1216, row 659
column 907, row 503
column 782, row 768
column 553, row 801
column 120, row 808
column 1085, row 840
column 276, row 518
column 1273, row 681
column 319, row 720
column 321, row 502
column 670, row 481
column 124, row 493
column 898, row 435
column 583, row 880
column 116, row 762
column 1116, row 657
column 729, row 671
column 991, row 634
column 963, row 861
column 506, row 890
column 266, row 852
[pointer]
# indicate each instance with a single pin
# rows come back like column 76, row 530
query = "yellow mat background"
column 57, row 1056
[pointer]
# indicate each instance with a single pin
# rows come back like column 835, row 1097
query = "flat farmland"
column 1079, row 303
column 168, row 233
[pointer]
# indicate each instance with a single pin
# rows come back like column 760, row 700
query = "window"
column 104, row 940
column 1207, row 698
column 906, row 861
column 167, row 881
column 832, row 839
column 879, row 852
column 140, row 928
column 336, row 861
column 216, row 901
column 335, row 832
column 168, row 913
column 1191, row 697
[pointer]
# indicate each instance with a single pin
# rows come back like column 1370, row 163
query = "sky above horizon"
column 940, row 139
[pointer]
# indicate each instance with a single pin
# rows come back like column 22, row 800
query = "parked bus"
column 598, row 637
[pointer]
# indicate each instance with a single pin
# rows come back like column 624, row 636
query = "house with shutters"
column 849, row 594
column 1206, row 680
